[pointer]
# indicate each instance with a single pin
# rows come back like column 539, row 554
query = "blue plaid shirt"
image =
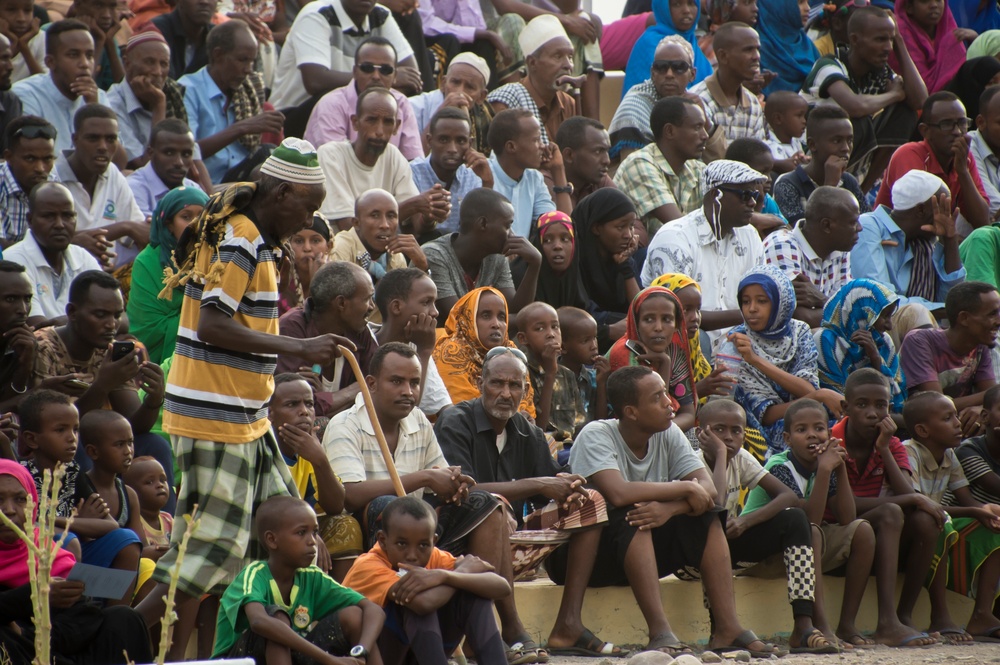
column 13, row 206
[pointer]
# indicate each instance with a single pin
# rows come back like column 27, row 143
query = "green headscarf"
column 986, row 44
column 172, row 203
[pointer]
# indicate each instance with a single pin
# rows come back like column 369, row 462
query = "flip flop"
column 816, row 643
column 906, row 643
column 589, row 645
column 669, row 644
column 859, row 641
column 944, row 632
column 991, row 636
column 743, row 642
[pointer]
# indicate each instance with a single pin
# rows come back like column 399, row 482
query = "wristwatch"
column 359, row 652
column 563, row 189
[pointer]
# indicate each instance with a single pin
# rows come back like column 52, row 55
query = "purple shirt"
column 331, row 121
column 452, row 17
column 926, row 357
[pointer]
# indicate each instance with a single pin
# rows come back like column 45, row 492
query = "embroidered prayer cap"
column 540, row 31
column 294, row 161
column 474, row 61
column 914, row 188
column 728, row 172
column 144, row 38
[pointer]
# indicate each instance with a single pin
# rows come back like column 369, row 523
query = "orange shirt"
column 372, row 575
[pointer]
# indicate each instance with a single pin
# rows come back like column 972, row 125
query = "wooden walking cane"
column 390, row 464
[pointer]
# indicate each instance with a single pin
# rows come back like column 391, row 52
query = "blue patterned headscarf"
column 780, row 292
column 784, row 46
column 855, row 307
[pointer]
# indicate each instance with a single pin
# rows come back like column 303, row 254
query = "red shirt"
column 870, row 482
column 918, row 155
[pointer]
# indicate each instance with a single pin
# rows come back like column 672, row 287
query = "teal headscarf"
column 172, row 203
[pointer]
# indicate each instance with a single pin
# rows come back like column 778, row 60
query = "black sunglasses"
column 679, row 66
column 36, row 131
column 384, row 70
column 746, row 195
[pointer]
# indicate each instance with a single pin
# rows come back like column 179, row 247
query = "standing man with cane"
column 221, row 378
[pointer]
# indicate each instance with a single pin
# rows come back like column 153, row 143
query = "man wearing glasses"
column 374, row 65
column 944, row 152
column 28, row 160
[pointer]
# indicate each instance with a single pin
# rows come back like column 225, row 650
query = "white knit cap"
column 474, row 61
column 540, row 31
column 914, row 188
column 294, row 161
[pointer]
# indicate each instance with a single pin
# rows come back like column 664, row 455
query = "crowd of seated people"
column 604, row 341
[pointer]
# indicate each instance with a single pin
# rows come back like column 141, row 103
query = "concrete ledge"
column 762, row 605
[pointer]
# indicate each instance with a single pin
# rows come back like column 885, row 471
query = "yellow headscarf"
column 675, row 282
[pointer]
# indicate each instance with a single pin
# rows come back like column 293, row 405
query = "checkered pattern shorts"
column 228, row 482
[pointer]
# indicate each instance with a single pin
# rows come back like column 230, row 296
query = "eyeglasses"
column 36, row 131
column 746, row 195
column 950, row 125
column 504, row 350
column 679, row 66
column 369, row 67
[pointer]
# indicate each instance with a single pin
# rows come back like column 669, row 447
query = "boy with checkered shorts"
column 221, row 377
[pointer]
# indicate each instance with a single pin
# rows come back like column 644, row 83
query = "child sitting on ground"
column 292, row 413
column 146, row 477
column 107, row 438
column 559, row 408
column 970, row 543
column 284, row 609
column 776, row 527
column 878, row 470
column 813, row 468
column 785, row 112
column 49, row 427
column 581, row 356
column 431, row 599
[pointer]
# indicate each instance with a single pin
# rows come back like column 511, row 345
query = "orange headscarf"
column 459, row 354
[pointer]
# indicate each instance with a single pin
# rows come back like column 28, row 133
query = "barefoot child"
column 286, row 610
column 559, row 408
column 107, row 438
column 581, row 356
column 878, row 470
column 775, row 528
column 813, row 468
column 431, row 599
column 971, row 542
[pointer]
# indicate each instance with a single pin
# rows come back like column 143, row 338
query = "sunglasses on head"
column 36, row 131
column 679, row 66
column 504, row 350
column 369, row 67
column 746, row 195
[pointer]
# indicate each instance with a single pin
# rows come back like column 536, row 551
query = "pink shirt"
column 331, row 121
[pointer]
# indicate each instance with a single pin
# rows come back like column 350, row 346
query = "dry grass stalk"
column 169, row 616
column 41, row 554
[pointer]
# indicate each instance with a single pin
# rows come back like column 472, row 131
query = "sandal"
column 859, row 641
column 816, row 642
column 526, row 652
column 669, row 644
column 992, row 636
column 955, row 636
column 743, row 642
column 589, row 645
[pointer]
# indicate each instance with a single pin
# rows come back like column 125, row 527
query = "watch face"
column 357, row 652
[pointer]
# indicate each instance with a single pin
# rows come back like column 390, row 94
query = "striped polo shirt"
column 214, row 393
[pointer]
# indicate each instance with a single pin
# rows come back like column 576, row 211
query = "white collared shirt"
column 50, row 289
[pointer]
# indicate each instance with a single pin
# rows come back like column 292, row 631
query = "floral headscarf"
column 681, row 388
column 675, row 282
column 14, row 556
column 855, row 307
column 459, row 354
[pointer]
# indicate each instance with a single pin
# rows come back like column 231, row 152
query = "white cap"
column 474, row 61
column 914, row 188
column 540, row 31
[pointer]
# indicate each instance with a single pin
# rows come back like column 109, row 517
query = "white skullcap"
column 540, row 31
column 728, row 172
column 914, row 188
column 474, row 61
column 294, row 161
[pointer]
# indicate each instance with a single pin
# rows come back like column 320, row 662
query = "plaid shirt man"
column 647, row 178
column 742, row 120
column 13, row 206
column 788, row 249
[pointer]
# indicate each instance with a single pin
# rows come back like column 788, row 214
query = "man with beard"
column 46, row 252
column 507, row 455
column 945, row 152
column 17, row 353
column 171, row 153
column 223, row 103
column 372, row 162
column 28, row 160
column 664, row 178
column 10, row 105
column 584, row 144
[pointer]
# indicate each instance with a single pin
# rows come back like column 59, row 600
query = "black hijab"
column 602, row 280
column 973, row 77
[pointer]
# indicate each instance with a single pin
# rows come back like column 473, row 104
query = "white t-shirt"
column 743, row 472
column 347, row 178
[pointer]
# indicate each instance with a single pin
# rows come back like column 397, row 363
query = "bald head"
column 373, row 98
column 50, row 192
column 374, row 198
column 828, row 202
column 275, row 511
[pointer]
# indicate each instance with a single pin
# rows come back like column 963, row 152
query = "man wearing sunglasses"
column 945, row 153
column 374, row 65
column 28, row 161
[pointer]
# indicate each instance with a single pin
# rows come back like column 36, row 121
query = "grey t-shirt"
column 599, row 447
column 447, row 273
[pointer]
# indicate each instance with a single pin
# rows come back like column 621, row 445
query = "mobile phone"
column 121, row 349
column 635, row 347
